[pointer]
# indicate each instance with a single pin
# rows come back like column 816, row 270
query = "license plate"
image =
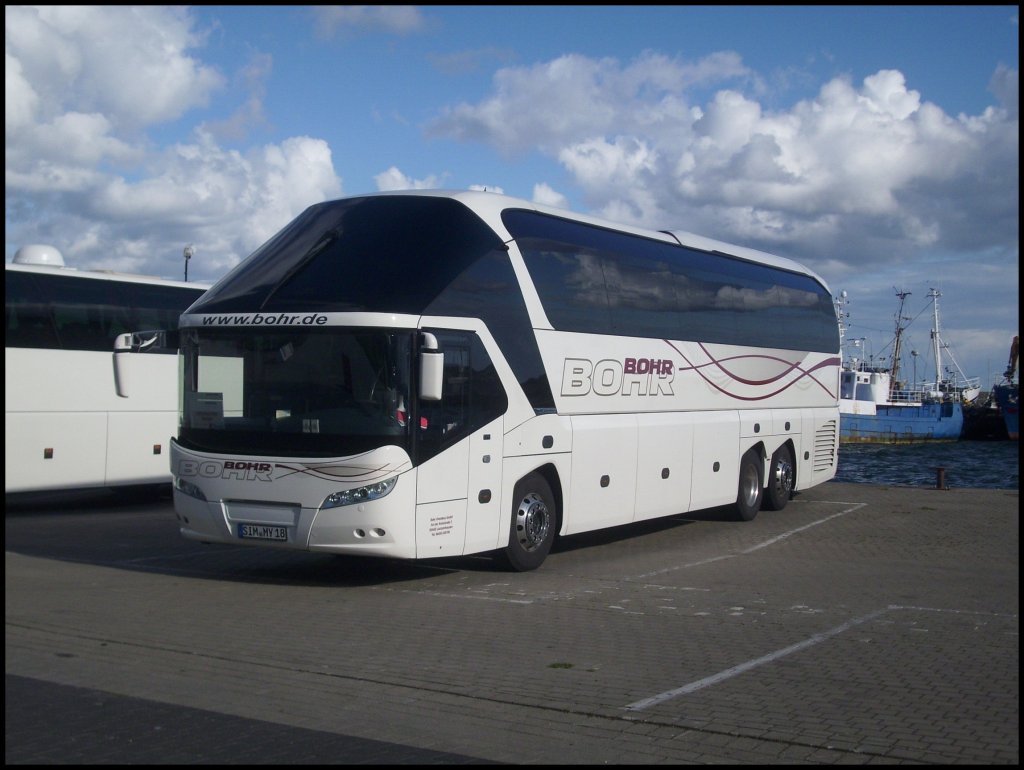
column 262, row 532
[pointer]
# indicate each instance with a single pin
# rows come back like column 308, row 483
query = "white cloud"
column 395, row 19
column 857, row 174
column 82, row 174
column 225, row 202
column 287, row 178
column 574, row 97
column 548, row 196
column 71, row 139
column 129, row 64
column 251, row 113
column 727, row 124
column 1005, row 84
column 393, row 179
column 886, row 91
column 20, row 99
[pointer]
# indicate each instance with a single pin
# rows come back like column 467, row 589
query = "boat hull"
column 1007, row 397
column 897, row 424
column 983, row 422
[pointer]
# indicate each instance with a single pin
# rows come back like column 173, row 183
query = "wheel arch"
column 552, row 477
column 759, row 448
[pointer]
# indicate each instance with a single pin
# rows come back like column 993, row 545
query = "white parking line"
column 784, row 535
column 771, row 541
column 729, row 673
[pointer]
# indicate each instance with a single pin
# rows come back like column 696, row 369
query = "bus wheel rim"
column 784, row 477
column 533, row 520
column 750, row 485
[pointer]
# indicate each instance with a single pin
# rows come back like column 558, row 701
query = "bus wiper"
column 322, row 243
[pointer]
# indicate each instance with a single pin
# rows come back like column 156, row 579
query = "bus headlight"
column 360, row 494
column 188, row 488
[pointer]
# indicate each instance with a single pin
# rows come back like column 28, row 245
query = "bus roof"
column 104, row 275
column 489, row 206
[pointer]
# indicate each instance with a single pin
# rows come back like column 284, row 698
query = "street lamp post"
column 189, row 251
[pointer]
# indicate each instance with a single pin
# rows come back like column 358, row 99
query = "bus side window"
column 28, row 319
column 472, row 397
column 158, row 307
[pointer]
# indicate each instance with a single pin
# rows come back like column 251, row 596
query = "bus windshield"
column 301, row 392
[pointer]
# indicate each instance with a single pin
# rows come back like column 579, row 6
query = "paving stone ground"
column 859, row 625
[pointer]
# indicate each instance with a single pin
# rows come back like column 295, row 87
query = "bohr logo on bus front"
column 612, row 377
column 240, row 470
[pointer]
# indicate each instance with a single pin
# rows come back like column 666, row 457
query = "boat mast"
column 898, row 340
column 840, row 304
column 935, row 294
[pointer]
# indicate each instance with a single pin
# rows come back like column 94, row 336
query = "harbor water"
column 965, row 464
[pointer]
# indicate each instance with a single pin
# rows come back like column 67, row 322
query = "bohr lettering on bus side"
column 610, row 377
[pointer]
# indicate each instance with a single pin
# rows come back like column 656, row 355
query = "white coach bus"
column 430, row 374
column 64, row 425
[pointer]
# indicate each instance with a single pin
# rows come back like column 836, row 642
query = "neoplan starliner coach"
column 430, row 374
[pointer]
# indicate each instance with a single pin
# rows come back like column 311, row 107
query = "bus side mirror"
column 138, row 342
column 122, row 349
column 431, row 369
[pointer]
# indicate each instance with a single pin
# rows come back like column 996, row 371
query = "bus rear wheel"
column 780, row 480
column 533, row 524
column 749, row 492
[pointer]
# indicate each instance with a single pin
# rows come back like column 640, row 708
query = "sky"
column 878, row 145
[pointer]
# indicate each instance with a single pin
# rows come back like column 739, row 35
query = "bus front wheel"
column 749, row 492
column 533, row 524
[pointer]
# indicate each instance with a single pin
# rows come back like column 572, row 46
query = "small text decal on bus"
column 610, row 377
column 260, row 319
column 242, row 470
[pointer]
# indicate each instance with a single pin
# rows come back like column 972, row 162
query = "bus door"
column 458, row 450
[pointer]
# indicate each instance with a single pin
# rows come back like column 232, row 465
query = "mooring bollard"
column 940, row 478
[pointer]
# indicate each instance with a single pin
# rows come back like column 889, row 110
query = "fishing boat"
column 1007, row 395
column 876, row 406
column 983, row 419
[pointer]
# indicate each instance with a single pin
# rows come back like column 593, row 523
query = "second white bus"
column 65, row 427
column 430, row 374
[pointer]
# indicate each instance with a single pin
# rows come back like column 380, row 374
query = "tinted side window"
column 489, row 290
column 77, row 313
column 89, row 313
column 28, row 321
column 595, row 280
column 566, row 262
column 643, row 291
column 472, row 396
column 159, row 307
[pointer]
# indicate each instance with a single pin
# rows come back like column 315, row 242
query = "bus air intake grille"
column 825, row 446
